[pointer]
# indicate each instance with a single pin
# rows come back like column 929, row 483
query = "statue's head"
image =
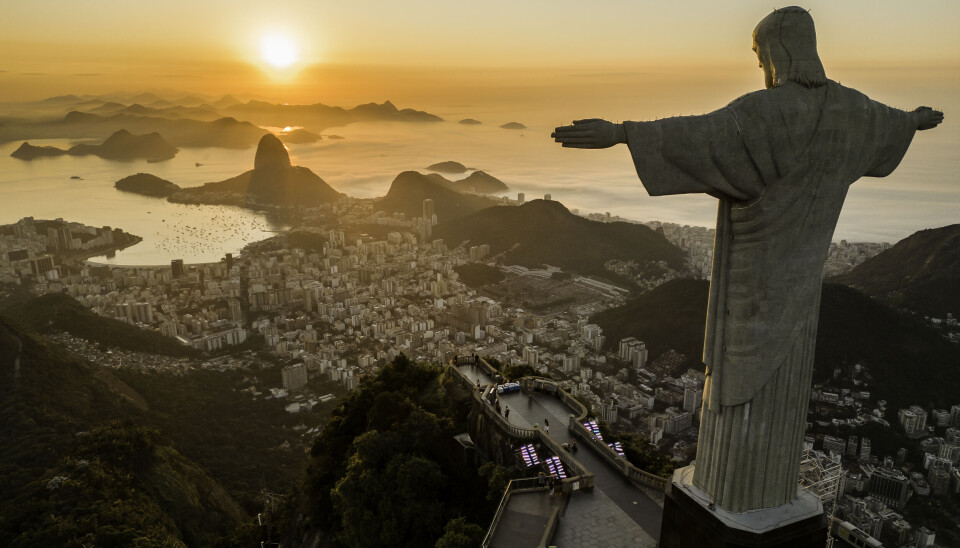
column 786, row 45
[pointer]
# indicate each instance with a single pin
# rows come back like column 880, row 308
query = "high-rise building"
column 939, row 477
column 833, row 445
column 609, row 411
column 692, row 399
column 891, row 486
column 940, row 417
column 865, row 449
column 521, row 197
column 176, row 267
column 294, row 376
column 913, row 420
column 428, row 210
column 547, row 197
column 852, row 447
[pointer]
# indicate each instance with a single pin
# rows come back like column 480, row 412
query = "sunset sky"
column 423, row 53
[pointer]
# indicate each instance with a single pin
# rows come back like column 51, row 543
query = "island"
column 448, row 167
column 122, row 145
column 146, row 184
column 273, row 182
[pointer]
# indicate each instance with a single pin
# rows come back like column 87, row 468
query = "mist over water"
column 924, row 192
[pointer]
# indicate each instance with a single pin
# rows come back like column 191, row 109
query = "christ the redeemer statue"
column 779, row 160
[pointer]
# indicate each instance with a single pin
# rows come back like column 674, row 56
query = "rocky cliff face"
column 271, row 153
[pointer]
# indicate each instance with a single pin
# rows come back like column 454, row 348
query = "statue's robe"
column 780, row 161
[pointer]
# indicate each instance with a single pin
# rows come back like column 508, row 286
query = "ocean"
column 922, row 193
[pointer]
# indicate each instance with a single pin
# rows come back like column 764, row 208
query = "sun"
column 278, row 50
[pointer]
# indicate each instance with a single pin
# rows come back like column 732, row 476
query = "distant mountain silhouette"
column 448, row 167
column 320, row 116
column 300, row 136
column 26, row 151
column 272, row 182
column 62, row 99
column 59, row 312
column 513, row 125
column 146, row 184
column 410, row 188
column 920, row 273
column 482, row 183
column 226, row 101
column 470, row 122
column 181, row 132
column 545, row 232
column 910, row 363
column 122, row 145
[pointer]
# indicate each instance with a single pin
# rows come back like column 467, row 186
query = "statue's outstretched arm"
column 927, row 118
column 590, row 133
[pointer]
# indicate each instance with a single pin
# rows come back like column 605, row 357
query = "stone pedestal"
column 688, row 520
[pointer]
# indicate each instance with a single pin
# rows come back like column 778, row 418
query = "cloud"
column 34, row 74
column 86, row 74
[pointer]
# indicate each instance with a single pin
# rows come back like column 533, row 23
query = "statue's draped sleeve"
column 694, row 154
column 780, row 161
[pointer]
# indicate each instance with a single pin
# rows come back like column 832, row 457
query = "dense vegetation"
column 670, row 316
column 69, row 475
column 920, row 273
column 478, row 274
column 639, row 451
column 246, row 443
column 60, row 312
column 386, row 470
column 544, row 232
column 909, row 362
column 146, row 184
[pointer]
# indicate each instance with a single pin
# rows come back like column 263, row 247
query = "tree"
column 460, row 534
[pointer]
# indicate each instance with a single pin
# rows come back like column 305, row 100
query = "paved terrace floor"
column 617, row 512
column 524, row 519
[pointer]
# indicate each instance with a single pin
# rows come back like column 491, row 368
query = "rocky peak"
column 271, row 153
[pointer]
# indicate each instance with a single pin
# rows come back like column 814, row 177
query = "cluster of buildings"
column 876, row 486
column 353, row 302
column 35, row 248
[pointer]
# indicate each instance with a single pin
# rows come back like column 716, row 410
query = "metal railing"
column 522, row 434
column 624, row 466
column 516, row 485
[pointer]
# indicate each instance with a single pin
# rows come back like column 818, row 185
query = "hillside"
column 545, row 232
column 410, row 188
column 386, row 470
column 447, row 167
column 59, row 312
column 319, row 116
column 146, row 184
column 272, row 182
column 910, row 363
column 70, row 476
column 122, row 145
column 482, row 183
column 919, row 273
column 224, row 132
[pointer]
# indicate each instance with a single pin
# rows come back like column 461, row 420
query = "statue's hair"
column 787, row 42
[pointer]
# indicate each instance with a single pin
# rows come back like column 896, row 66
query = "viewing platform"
column 606, row 500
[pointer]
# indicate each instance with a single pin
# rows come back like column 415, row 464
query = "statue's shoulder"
column 748, row 99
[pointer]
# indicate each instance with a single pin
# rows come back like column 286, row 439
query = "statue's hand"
column 927, row 118
column 590, row 133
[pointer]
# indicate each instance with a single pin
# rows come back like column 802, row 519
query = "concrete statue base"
column 688, row 520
